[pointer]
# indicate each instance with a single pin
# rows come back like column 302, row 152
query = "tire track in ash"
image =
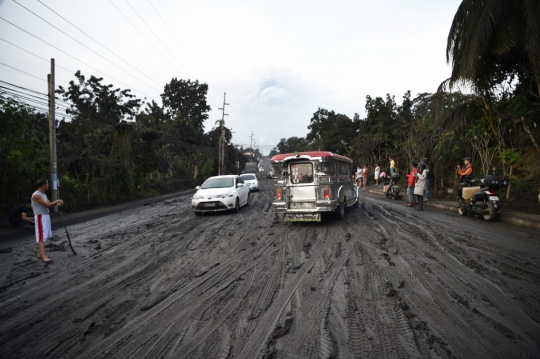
column 455, row 288
column 152, row 312
column 416, row 267
column 317, row 297
column 389, row 328
column 86, row 302
column 267, row 324
column 75, row 313
column 191, row 308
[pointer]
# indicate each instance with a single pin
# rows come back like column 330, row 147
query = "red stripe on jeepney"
column 310, row 154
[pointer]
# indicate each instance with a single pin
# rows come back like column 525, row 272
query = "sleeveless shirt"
column 38, row 208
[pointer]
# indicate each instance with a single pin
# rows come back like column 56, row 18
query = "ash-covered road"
column 386, row 282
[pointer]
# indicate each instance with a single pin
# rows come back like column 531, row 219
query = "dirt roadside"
column 387, row 281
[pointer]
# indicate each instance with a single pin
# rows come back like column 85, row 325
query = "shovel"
column 67, row 234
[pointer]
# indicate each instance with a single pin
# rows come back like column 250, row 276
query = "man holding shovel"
column 41, row 205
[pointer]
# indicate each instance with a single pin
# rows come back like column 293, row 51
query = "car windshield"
column 218, row 182
column 249, row 177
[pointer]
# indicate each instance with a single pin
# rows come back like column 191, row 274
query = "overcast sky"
column 278, row 61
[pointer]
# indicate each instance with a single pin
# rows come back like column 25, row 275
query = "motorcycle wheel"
column 491, row 212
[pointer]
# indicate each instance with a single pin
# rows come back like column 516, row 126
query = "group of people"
column 361, row 175
column 419, row 182
column 40, row 205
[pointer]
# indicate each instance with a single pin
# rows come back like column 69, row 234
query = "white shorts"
column 43, row 227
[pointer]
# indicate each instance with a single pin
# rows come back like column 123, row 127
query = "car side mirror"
column 240, row 185
column 197, row 187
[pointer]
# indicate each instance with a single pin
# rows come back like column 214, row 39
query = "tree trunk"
column 509, row 183
column 528, row 130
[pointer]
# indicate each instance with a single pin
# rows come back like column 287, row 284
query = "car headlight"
column 227, row 195
column 197, row 197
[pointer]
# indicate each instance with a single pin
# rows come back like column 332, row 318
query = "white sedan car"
column 220, row 193
column 252, row 181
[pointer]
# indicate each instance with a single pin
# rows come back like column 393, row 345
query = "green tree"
column 490, row 38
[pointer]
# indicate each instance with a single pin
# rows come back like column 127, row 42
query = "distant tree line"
column 114, row 147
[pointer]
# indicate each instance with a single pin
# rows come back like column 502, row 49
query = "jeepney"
column 309, row 183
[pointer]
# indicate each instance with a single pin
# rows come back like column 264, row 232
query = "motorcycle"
column 391, row 189
column 479, row 196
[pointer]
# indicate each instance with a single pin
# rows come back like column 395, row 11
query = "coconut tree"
column 489, row 36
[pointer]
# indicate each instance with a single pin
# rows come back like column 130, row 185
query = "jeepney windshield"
column 301, row 173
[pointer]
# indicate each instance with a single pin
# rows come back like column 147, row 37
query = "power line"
column 125, row 17
column 167, row 48
column 39, row 57
column 195, row 62
column 24, row 72
column 74, row 39
column 100, row 44
column 46, row 96
column 73, row 57
column 177, row 40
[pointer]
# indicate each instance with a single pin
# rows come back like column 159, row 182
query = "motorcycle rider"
column 464, row 173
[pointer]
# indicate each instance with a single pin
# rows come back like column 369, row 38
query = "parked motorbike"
column 391, row 189
column 479, row 196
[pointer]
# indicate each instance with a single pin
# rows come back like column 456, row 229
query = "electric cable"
column 155, row 48
column 73, row 57
column 39, row 57
column 33, row 91
column 24, row 72
column 167, row 48
column 74, row 39
column 100, row 44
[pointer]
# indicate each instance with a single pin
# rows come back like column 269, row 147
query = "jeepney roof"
column 311, row 155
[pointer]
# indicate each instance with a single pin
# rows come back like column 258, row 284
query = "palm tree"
column 488, row 37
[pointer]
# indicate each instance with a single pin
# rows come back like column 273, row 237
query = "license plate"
column 209, row 204
column 302, row 205
column 493, row 198
column 303, row 217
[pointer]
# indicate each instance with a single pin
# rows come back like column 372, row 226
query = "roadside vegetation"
column 488, row 109
column 114, row 147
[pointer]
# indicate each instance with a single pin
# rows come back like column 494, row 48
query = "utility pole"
column 52, row 136
column 221, row 167
column 251, row 147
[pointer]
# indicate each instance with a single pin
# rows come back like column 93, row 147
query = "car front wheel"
column 237, row 205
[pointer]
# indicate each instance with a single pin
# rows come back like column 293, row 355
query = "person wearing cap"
column 41, row 205
column 466, row 171
column 20, row 214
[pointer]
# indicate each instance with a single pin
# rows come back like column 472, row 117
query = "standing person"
column 420, row 185
column 359, row 176
column 41, row 205
column 392, row 165
column 365, row 173
column 20, row 214
column 429, row 180
column 377, row 173
column 410, row 184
